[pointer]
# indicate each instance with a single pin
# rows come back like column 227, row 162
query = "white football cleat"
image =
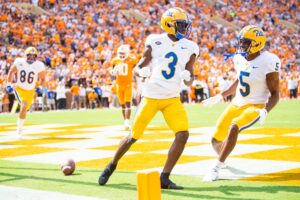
column 213, row 173
column 19, row 134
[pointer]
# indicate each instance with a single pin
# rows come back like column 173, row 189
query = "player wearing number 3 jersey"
column 167, row 60
column 26, row 71
column 256, row 92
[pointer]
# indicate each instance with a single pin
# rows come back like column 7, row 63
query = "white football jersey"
column 252, row 87
column 169, row 59
column 27, row 74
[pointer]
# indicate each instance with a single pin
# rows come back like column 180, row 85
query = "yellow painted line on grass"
column 271, row 131
column 59, row 133
column 28, row 150
column 74, row 127
column 140, row 161
column 47, row 140
column 148, row 146
column 284, row 154
column 288, row 177
column 276, row 140
column 155, row 135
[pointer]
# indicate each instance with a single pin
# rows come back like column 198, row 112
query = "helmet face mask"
column 123, row 52
column 182, row 28
column 31, row 58
column 244, row 45
column 176, row 22
column 122, row 55
column 251, row 40
column 31, row 55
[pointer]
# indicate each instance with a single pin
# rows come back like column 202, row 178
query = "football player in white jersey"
column 167, row 60
column 26, row 71
column 256, row 91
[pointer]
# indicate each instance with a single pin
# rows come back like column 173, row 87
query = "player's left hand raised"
column 185, row 75
column 262, row 115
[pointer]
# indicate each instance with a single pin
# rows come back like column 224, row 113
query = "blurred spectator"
column 1, row 99
column 75, row 96
column 61, row 96
column 51, row 100
column 292, row 86
column 93, row 100
column 45, row 99
column 82, row 97
column 105, row 95
column 197, row 84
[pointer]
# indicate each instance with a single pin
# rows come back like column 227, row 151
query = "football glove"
column 113, row 71
column 9, row 88
column 212, row 100
column 262, row 115
column 185, row 75
column 144, row 72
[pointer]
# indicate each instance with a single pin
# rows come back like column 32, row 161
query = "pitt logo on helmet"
column 176, row 22
column 252, row 39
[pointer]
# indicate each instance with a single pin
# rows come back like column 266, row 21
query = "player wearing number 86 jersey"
column 27, row 71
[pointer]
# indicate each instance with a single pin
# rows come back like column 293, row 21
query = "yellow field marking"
column 75, row 127
column 148, row 146
column 140, row 161
column 156, row 135
column 47, row 140
column 285, row 154
column 28, row 150
column 60, row 133
column 8, row 127
column 288, row 177
column 272, row 131
column 276, row 140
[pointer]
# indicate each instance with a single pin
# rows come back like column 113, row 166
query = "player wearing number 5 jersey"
column 170, row 58
column 122, row 67
column 256, row 92
column 26, row 71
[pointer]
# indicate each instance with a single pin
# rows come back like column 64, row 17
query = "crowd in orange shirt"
column 79, row 38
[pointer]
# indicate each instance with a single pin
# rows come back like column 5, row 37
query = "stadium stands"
column 77, row 39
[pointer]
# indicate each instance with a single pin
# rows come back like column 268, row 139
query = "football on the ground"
column 68, row 167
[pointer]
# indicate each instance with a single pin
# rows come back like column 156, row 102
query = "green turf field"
column 286, row 114
column 122, row 184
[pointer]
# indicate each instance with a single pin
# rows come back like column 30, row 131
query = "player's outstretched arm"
column 219, row 97
column 10, row 77
column 9, row 85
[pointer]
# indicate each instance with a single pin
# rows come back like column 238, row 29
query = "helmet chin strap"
column 179, row 36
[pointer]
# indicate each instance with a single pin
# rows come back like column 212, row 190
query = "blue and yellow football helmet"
column 251, row 39
column 176, row 22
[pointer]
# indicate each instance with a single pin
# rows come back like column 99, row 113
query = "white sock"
column 20, row 124
column 126, row 121
column 218, row 163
